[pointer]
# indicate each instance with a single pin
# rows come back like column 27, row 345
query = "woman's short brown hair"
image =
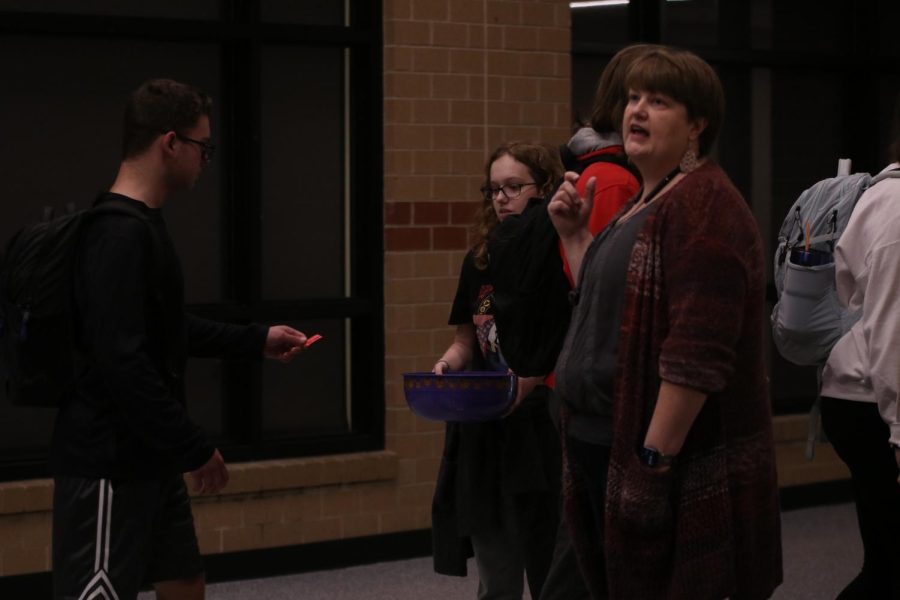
column 686, row 78
column 544, row 166
column 612, row 93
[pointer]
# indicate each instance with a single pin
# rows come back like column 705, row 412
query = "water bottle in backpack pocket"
column 810, row 319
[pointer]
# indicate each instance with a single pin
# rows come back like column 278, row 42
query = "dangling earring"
column 689, row 161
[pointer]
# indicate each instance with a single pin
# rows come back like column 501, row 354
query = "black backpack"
column 38, row 353
column 531, row 292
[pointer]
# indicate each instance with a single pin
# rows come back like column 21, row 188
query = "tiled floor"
column 822, row 552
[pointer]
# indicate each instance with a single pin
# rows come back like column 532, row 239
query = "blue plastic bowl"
column 465, row 396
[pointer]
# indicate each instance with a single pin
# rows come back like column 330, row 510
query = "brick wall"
column 459, row 78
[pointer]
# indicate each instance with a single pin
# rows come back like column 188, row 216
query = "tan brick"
column 430, row 10
column 450, row 86
column 539, row 112
column 340, row 501
column 467, row 111
column 563, row 68
column 379, row 498
column 505, row 113
column 427, row 470
column 506, row 63
column 431, row 264
column 409, row 344
column 468, row 61
column 431, row 60
column 406, row 471
column 504, row 12
column 493, row 37
column 306, row 506
column 397, row 9
column 355, row 526
column 407, row 85
column 397, row 59
column 283, row 534
column 475, row 36
column 427, row 316
column 451, row 137
column 20, row 561
column 408, row 33
column 449, row 35
column 520, row 38
column 210, row 541
column 467, row 11
column 426, row 426
column 404, row 520
column 493, row 91
column 217, row 515
column 399, row 266
column 444, row 288
column 520, row 89
column 406, row 188
column 397, row 110
column 415, row 137
column 399, row 421
column 318, row 531
column 408, row 291
column 554, row 90
column 559, row 40
column 539, row 14
column 398, row 162
column 242, row 538
column 26, row 496
column 431, row 111
column 263, row 510
column 450, row 188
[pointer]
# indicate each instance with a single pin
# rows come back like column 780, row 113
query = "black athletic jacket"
column 126, row 418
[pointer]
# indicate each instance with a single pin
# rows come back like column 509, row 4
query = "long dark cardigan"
column 694, row 315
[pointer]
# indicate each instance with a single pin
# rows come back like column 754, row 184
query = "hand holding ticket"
column 312, row 340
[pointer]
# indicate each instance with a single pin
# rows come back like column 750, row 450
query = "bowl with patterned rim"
column 462, row 396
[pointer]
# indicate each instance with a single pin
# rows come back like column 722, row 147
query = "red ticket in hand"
column 312, row 340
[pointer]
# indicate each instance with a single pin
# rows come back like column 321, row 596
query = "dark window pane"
column 307, row 12
column 586, row 70
column 802, row 26
column 888, row 101
column 172, row 9
column 24, row 431
column 62, row 103
column 308, row 395
column 693, row 23
column 303, row 208
column 761, row 24
column 205, row 395
column 600, row 24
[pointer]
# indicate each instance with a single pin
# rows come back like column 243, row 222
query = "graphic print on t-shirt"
column 486, row 330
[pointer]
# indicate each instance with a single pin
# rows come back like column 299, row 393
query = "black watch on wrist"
column 654, row 458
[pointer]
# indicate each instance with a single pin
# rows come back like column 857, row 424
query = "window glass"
column 586, row 70
column 307, row 12
column 171, row 9
column 303, row 206
column 605, row 24
column 309, row 394
column 62, row 103
column 693, row 23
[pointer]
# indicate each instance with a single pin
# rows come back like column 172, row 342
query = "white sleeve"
column 881, row 327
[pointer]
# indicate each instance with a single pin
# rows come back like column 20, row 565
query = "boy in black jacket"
column 121, row 512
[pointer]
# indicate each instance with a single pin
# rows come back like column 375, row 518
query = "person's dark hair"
column 159, row 106
column 895, row 133
column 544, row 166
column 612, row 93
column 686, row 78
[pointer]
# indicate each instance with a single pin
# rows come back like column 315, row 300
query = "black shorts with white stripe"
column 111, row 538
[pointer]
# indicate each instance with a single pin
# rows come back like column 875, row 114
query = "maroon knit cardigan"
column 694, row 315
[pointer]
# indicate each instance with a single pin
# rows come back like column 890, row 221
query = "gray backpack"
column 808, row 320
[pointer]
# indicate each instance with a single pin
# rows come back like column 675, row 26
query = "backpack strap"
column 892, row 174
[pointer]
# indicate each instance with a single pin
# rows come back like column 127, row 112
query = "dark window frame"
column 240, row 35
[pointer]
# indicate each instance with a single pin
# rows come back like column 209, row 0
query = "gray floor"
column 822, row 552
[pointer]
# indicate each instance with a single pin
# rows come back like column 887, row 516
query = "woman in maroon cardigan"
column 670, row 476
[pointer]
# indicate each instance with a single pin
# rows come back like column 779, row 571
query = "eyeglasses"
column 207, row 150
column 510, row 190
